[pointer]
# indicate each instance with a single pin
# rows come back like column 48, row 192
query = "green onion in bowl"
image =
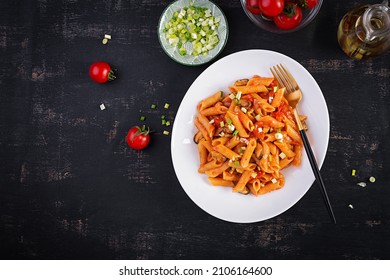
column 192, row 32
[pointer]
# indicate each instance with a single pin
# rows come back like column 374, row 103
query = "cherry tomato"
column 101, row 72
column 308, row 4
column 253, row 7
column 138, row 138
column 271, row 8
column 290, row 18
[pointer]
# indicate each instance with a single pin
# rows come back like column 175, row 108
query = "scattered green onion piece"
column 235, row 132
column 362, row 184
column 166, row 132
column 163, row 121
column 372, row 179
column 166, row 106
column 353, row 172
column 229, row 121
column 168, row 123
column 153, row 106
column 142, row 118
column 162, row 117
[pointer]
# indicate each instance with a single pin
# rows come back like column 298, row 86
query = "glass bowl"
column 267, row 24
column 173, row 52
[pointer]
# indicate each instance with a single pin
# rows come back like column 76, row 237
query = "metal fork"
column 293, row 95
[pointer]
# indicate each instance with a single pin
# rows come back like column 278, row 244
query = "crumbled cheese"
column 244, row 140
column 282, row 155
column 102, row 107
column 212, row 121
column 257, row 117
column 238, row 96
column 222, row 134
column 107, row 36
column 274, row 180
column 259, row 129
column 253, row 175
column 350, row 206
column 243, row 109
column 232, row 96
column 270, row 99
column 231, row 127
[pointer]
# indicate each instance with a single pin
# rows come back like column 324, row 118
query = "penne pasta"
column 247, row 137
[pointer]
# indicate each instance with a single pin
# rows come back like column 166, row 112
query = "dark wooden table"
column 70, row 188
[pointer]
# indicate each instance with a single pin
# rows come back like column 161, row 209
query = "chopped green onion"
column 166, row 132
column 105, row 41
column 235, row 132
column 353, row 172
column 153, row 106
column 372, row 179
column 168, row 123
column 193, row 25
column 237, row 163
column 162, row 117
column 142, row 118
column 163, row 121
column 166, row 106
column 362, row 184
column 229, row 121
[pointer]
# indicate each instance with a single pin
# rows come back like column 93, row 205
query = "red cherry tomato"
column 101, row 72
column 308, row 4
column 253, row 7
column 290, row 18
column 138, row 138
column 271, row 8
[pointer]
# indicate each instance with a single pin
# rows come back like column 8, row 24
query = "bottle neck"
column 376, row 22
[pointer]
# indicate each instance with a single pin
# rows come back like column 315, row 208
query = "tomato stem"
column 111, row 75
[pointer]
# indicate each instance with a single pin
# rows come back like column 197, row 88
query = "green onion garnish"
column 195, row 26
column 372, row 179
column 166, row 106
column 166, row 132
column 353, row 172
column 142, row 118
column 163, row 121
column 168, row 123
column 235, row 132
column 162, row 117
column 153, row 106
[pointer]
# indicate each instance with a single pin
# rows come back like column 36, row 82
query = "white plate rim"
column 303, row 77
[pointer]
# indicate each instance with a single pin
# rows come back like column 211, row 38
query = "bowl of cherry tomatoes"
column 281, row 16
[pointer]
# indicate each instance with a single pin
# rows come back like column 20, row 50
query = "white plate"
column 173, row 52
column 221, row 202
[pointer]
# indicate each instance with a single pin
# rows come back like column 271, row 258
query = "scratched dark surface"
column 71, row 189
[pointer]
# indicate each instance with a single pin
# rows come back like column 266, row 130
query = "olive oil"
column 365, row 31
